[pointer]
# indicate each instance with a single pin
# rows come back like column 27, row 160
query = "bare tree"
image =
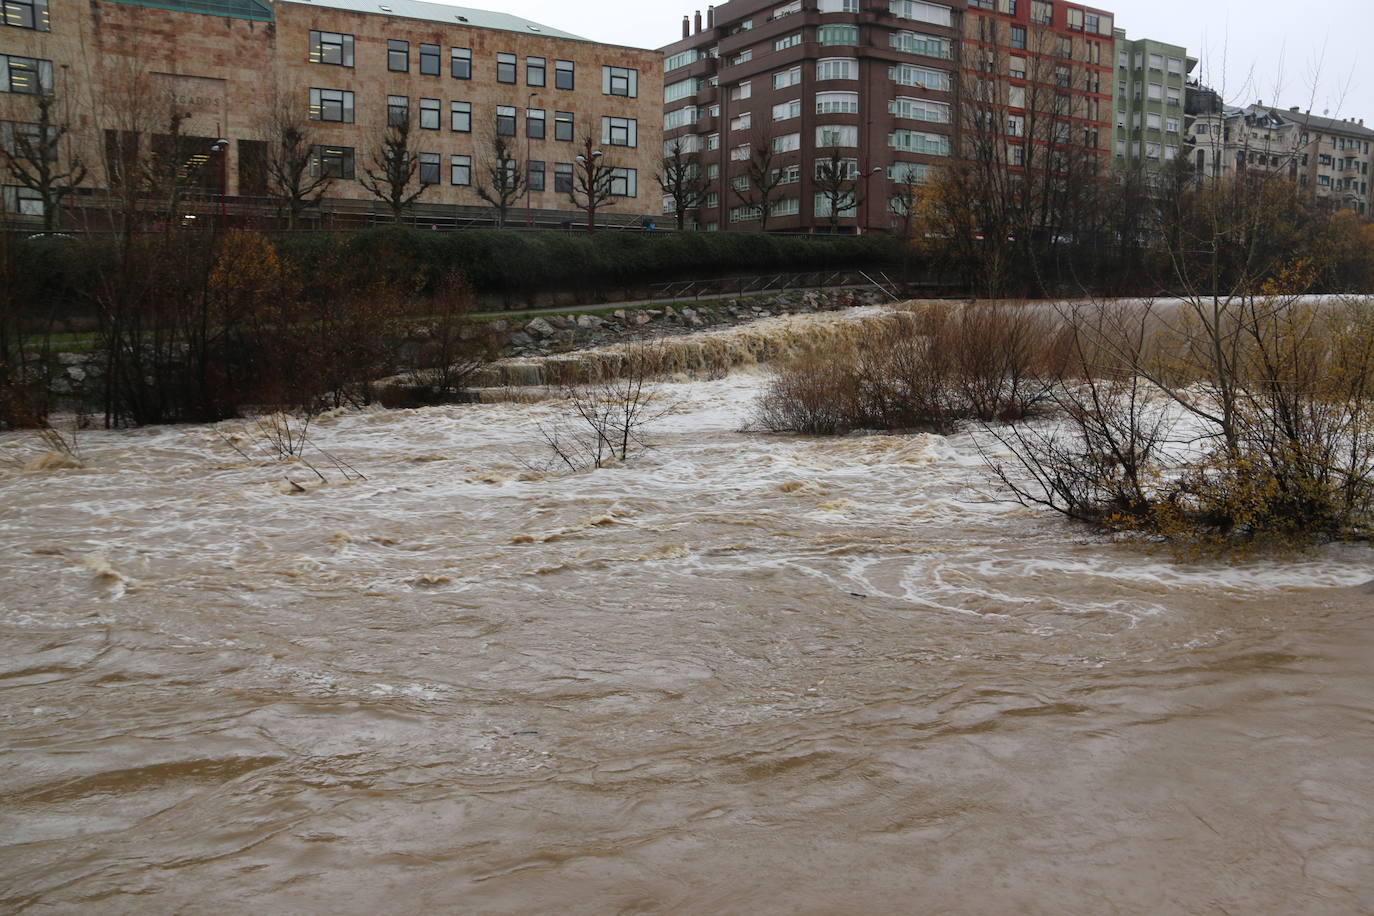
column 682, row 181
column 291, row 181
column 32, row 156
column 393, row 163
column 501, row 176
column 593, row 179
column 761, row 177
column 837, row 182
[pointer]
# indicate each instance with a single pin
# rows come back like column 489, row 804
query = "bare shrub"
column 606, row 420
column 450, row 346
column 1219, row 425
column 927, row 368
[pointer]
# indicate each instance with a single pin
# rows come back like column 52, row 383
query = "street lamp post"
column 863, row 201
column 529, row 204
column 221, row 148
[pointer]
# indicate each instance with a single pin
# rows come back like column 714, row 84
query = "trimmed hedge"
column 496, row 261
column 62, row 274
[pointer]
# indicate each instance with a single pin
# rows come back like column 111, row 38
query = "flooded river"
column 742, row 673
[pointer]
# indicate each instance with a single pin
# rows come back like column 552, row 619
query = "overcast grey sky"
column 1250, row 49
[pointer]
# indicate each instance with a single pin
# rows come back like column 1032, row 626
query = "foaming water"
column 742, row 672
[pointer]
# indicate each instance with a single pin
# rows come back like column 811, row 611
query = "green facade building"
column 1148, row 124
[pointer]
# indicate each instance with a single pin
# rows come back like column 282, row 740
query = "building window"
column 331, row 162
column 788, row 206
column 398, row 55
column 1018, row 37
column 26, row 75
column 1042, row 13
column 429, row 168
column 933, row 13
column 620, row 81
column 505, row 68
column 787, row 41
column 920, row 77
column 562, row 177
column 681, row 89
column 505, row 121
column 784, row 78
column 713, row 141
column 563, row 74
column 429, row 114
column 24, row 201
column 785, row 110
column 743, row 57
column 460, row 117
column 837, row 135
column 536, row 175
column 624, row 183
column 787, row 9
column 331, row 48
column 837, row 103
column 838, row 35
column 534, row 123
column 460, row 63
column 331, row 105
column 460, row 170
column 788, row 174
column 397, row 110
column 429, row 60
column 919, row 109
column 563, row 125
column 536, row 69
column 681, row 117
column 915, row 141
column 925, row 45
column 681, row 59
column 838, row 6
column 619, row 131
column 837, row 68
column 27, row 14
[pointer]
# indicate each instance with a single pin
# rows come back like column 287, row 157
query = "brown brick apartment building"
column 1036, row 83
column 347, row 67
column 868, row 83
column 893, row 87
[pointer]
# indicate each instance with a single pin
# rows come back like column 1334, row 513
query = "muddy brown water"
column 743, row 673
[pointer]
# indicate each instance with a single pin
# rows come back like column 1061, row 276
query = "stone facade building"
column 1328, row 157
column 344, row 70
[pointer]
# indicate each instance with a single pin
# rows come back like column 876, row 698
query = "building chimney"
column 697, row 21
column 710, row 17
column 686, row 27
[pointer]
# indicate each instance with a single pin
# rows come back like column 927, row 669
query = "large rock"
column 538, row 327
column 590, row 322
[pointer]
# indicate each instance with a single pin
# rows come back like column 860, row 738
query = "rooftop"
column 231, row 9
column 433, row 12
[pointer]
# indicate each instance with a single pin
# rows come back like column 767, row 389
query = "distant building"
column 865, row 84
column 1148, row 110
column 347, row 69
column 1329, row 157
